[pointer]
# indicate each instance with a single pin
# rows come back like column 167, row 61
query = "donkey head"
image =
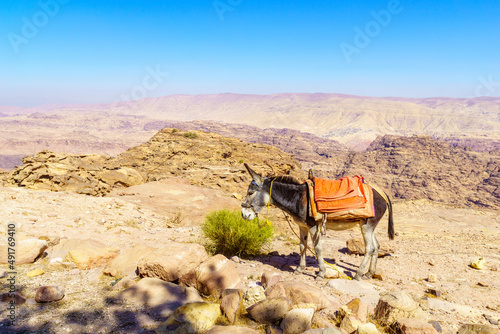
column 257, row 198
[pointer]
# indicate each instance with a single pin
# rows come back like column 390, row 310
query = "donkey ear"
column 255, row 176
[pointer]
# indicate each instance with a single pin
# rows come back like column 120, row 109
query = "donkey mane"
column 287, row 179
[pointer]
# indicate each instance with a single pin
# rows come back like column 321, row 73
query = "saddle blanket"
column 343, row 199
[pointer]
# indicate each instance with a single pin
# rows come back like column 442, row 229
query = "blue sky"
column 86, row 51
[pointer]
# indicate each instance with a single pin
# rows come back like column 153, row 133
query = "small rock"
column 231, row 304
column 196, row 317
column 490, row 319
column 432, row 278
column 367, row 328
column 36, row 272
column 436, row 325
column 52, row 215
column 235, row 259
column 74, row 271
column 478, row 264
column 414, row 326
column 49, row 294
column 477, row 329
column 357, row 308
column 380, row 275
column 3, row 274
column 483, row 284
column 231, row 330
column 331, row 273
column 253, row 295
column 434, row 292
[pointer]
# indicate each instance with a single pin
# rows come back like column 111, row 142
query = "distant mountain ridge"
column 352, row 120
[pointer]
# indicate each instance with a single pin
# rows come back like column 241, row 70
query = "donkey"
column 291, row 195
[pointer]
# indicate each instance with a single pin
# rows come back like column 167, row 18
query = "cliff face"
column 420, row 167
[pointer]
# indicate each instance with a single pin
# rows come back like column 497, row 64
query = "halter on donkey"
column 291, row 196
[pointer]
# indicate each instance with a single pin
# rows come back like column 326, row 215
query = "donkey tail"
column 390, row 228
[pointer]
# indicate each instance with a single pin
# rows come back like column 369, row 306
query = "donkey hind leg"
column 318, row 248
column 303, row 243
column 373, row 262
column 369, row 237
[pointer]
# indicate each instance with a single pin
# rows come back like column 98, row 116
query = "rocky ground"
column 430, row 256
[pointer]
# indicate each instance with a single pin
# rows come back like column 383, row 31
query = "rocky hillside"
column 205, row 159
column 421, row 167
column 302, row 145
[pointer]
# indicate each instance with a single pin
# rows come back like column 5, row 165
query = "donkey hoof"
column 357, row 277
column 298, row 271
column 320, row 278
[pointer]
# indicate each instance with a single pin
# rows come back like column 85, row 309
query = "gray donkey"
column 292, row 196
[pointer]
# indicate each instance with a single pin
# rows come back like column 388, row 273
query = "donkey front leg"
column 318, row 248
column 303, row 243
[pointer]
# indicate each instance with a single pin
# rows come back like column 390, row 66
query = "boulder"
column 231, row 330
column 84, row 253
column 269, row 310
column 232, row 304
column 398, row 304
column 213, row 275
column 26, row 251
column 269, row 278
column 126, row 263
column 196, row 317
column 299, row 293
column 357, row 246
column 357, row 308
column 350, row 324
column 326, row 330
column 297, row 320
column 172, row 261
column 46, row 294
column 163, row 297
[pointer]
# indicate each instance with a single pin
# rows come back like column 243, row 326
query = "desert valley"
column 97, row 194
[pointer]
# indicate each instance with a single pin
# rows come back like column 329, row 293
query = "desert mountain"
column 354, row 121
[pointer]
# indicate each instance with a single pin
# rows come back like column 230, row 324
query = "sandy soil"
column 431, row 239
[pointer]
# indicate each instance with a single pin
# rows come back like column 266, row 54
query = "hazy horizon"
column 87, row 52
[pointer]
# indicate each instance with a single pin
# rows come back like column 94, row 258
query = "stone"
column 163, row 297
column 350, row 324
column 213, row 275
column 478, row 264
column 270, row 278
column 26, row 251
column 434, row 292
column 126, row 263
column 367, row 328
column 232, row 304
column 379, row 274
column 299, row 293
column 273, row 329
column 297, row 320
column 432, row 278
column 232, row 330
column 253, row 295
column 88, row 258
column 3, row 274
column 235, row 259
column 196, row 317
column 46, row 294
column 15, row 297
column 35, row 272
column 331, row 273
column 269, row 310
column 327, row 317
column 172, row 261
column 436, row 325
column 477, row 329
column 414, row 326
column 357, row 308
column 357, row 246
column 395, row 305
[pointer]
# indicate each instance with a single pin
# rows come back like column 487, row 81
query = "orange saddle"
column 346, row 193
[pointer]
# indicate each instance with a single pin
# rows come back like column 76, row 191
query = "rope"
column 314, row 253
column 268, row 205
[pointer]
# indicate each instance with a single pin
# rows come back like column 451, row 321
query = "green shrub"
column 191, row 135
column 229, row 234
